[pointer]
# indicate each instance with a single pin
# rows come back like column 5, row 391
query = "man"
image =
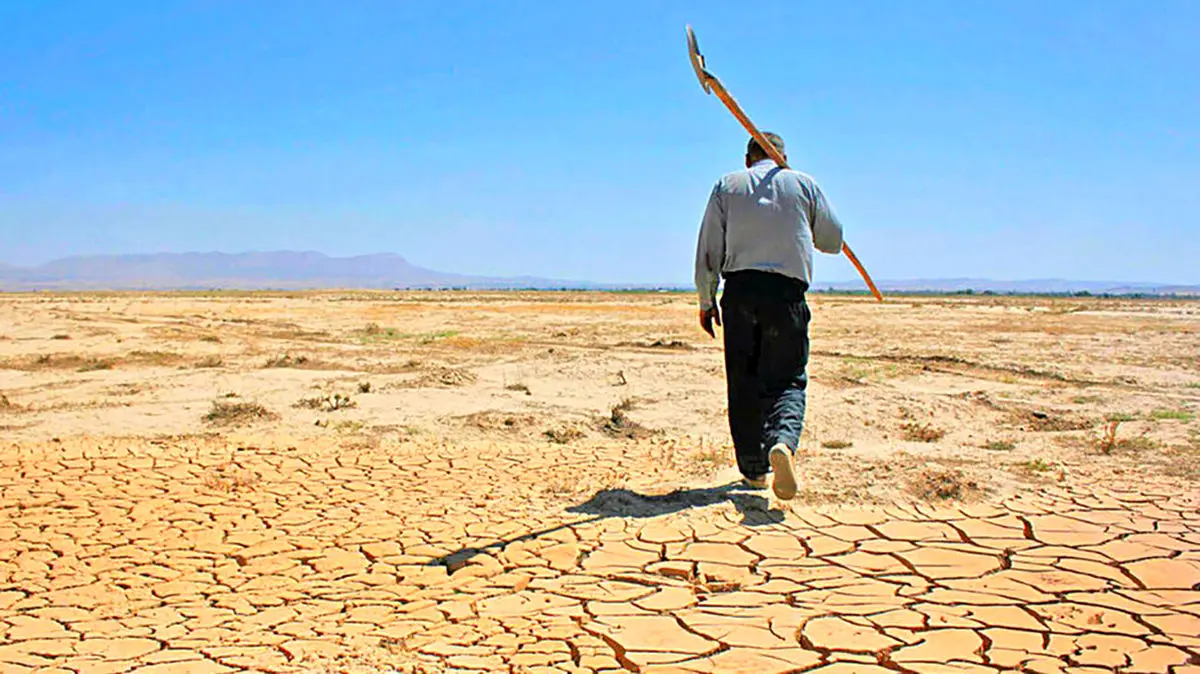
column 758, row 232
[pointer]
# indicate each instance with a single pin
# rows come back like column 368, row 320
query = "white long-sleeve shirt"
column 764, row 218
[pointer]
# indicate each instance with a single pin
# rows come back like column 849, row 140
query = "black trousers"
column 765, row 318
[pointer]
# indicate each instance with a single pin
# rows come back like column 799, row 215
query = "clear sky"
column 1010, row 140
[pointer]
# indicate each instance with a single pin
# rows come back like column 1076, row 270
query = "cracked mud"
column 263, row 548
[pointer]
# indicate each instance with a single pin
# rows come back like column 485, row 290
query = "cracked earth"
column 483, row 543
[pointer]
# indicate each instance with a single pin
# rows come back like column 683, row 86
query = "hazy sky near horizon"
column 1008, row 140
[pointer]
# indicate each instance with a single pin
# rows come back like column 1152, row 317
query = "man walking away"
column 758, row 232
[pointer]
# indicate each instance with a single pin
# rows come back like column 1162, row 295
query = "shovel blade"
column 698, row 61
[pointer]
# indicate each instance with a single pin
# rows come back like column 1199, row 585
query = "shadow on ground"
column 608, row 503
column 753, row 506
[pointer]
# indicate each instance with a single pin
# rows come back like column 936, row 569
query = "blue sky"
column 1008, row 140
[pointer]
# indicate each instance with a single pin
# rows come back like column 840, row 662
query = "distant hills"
column 293, row 270
column 275, row 270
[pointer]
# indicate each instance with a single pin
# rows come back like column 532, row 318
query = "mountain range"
column 293, row 270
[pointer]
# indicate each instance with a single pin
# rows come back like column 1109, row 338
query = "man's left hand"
column 707, row 318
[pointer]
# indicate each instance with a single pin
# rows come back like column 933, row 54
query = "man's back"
column 764, row 218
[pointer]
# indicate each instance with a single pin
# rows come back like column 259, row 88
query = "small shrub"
column 837, row 444
column 1001, row 446
column 61, row 337
column 226, row 413
column 364, row 387
column 563, row 435
column 331, row 403
column 1037, row 466
column 1108, row 442
column 211, row 338
column 209, row 361
column 520, row 388
column 915, row 432
column 1120, row 417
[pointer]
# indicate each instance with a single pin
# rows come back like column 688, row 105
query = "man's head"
column 755, row 153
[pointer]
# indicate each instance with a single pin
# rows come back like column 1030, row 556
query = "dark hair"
column 753, row 149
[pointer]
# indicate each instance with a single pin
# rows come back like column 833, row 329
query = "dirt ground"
column 543, row 482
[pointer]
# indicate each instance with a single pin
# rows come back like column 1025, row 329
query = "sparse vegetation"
column 945, row 484
column 229, row 477
column 1001, row 446
column 714, row 457
column 837, row 444
column 210, row 338
column 559, row 486
column 1037, row 466
column 520, row 388
column 210, row 362
column 7, row 405
column 918, row 432
column 1177, row 415
column 95, row 364
column 563, row 435
column 286, row 360
column 1108, row 442
column 364, row 387
column 329, row 403
column 1120, row 417
column 618, row 423
column 230, row 413
column 374, row 333
column 61, row 337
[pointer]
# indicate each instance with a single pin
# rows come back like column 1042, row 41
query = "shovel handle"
column 770, row 148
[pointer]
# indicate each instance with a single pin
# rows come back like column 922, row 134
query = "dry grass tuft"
column 287, row 360
column 209, row 362
column 618, row 424
column 228, row 477
column 563, row 435
column 1001, row 446
column 714, row 457
column 96, row 364
column 231, row 413
column 492, row 420
column 837, row 444
column 520, row 388
column 915, row 432
column 943, row 484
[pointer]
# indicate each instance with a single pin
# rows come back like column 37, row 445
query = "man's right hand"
column 707, row 318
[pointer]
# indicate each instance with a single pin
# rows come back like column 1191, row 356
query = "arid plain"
column 543, row 482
